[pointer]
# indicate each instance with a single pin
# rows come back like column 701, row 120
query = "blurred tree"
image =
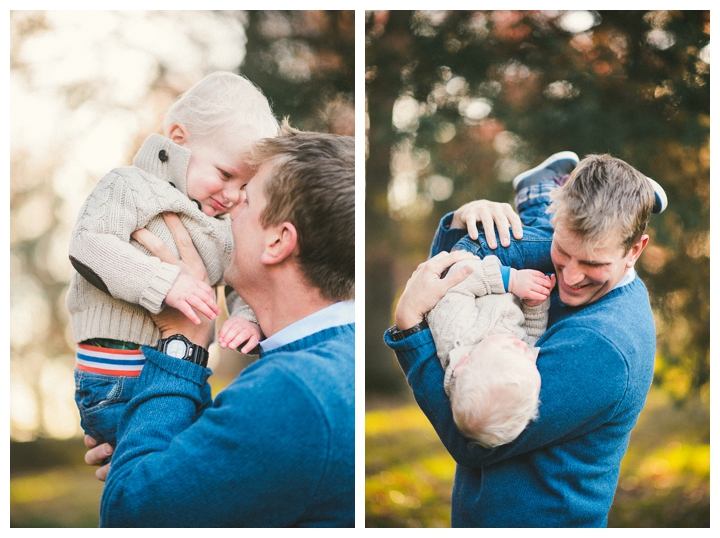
column 460, row 102
column 305, row 63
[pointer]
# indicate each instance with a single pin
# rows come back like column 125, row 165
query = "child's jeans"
column 531, row 252
column 101, row 391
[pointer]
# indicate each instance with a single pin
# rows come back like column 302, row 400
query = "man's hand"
column 491, row 214
column 532, row 286
column 425, row 287
column 96, row 455
column 235, row 331
column 171, row 321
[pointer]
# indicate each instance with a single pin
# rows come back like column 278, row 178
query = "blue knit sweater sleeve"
column 576, row 394
column 226, row 468
column 446, row 237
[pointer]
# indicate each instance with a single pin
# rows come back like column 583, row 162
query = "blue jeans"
column 102, row 400
column 531, row 252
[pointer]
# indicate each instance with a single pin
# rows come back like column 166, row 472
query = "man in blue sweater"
column 596, row 357
column 277, row 447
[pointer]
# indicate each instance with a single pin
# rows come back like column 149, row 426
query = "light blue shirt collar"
column 629, row 277
column 336, row 314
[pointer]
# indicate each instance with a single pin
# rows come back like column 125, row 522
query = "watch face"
column 176, row 348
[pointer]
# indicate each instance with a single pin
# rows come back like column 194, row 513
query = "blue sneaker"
column 555, row 168
column 660, row 197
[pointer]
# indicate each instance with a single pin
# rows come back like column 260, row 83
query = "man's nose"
column 572, row 274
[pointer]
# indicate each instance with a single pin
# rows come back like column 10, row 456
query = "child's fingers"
column 250, row 345
column 204, row 306
column 206, row 296
column 186, row 309
column 227, row 335
column 243, row 336
column 223, row 333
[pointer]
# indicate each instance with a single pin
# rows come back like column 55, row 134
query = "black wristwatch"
column 396, row 335
column 181, row 348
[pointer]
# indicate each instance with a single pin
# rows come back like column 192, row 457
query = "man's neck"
column 281, row 308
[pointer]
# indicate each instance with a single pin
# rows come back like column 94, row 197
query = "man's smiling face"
column 585, row 274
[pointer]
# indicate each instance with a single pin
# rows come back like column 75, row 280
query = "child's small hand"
column 235, row 331
column 533, row 287
column 187, row 292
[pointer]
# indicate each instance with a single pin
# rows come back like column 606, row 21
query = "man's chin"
column 229, row 276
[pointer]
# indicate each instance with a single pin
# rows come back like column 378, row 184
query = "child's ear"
column 460, row 364
column 179, row 134
column 536, row 350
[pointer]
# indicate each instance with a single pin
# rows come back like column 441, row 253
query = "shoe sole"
column 660, row 197
column 562, row 155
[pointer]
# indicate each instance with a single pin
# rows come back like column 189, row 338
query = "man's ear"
column 281, row 242
column 637, row 249
column 179, row 134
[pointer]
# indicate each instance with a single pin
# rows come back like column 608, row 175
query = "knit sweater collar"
column 164, row 159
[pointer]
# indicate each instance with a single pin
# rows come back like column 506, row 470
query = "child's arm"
column 100, row 249
column 536, row 320
column 532, row 286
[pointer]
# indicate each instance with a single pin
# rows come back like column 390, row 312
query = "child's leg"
column 105, row 380
column 532, row 200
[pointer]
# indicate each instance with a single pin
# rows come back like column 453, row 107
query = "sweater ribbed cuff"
column 154, row 295
column 491, row 264
column 536, row 318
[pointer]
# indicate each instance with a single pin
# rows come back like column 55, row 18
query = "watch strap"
column 195, row 353
column 396, row 335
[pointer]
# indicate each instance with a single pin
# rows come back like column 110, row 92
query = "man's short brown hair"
column 603, row 196
column 312, row 186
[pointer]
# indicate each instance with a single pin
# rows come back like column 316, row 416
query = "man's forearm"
column 567, row 408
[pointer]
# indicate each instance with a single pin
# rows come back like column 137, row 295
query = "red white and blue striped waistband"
column 107, row 361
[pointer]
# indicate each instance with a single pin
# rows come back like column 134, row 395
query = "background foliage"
column 459, row 102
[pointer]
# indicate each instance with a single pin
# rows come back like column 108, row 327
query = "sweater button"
column 163, row 156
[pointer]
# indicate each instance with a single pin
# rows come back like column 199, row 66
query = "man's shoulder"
column 322, row 360
column 333, row 347
column 621, row 323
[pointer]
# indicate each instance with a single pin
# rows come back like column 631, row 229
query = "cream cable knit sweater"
column 135, row 282
column 479, row 307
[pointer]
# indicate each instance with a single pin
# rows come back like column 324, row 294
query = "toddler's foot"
column 555, row 169
column 661, row 201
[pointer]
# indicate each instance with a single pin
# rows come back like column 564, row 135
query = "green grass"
column 664, row 478
column 50, row 485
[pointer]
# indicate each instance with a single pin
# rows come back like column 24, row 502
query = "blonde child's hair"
column 227, row 104
column 494, row 399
